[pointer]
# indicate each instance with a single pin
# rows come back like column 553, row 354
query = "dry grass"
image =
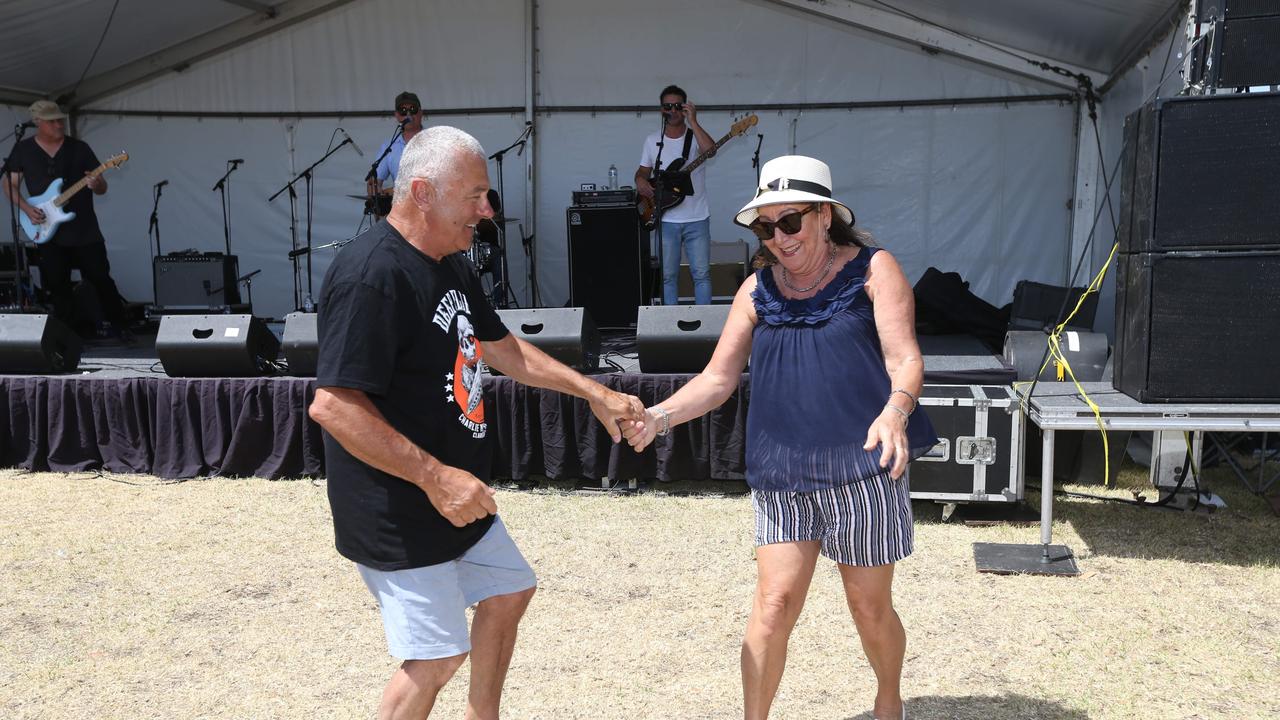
column 225, row 599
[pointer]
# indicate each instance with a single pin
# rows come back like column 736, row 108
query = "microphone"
column 28, row 125
column 161, row 184
column 299, row 251
column 237, row 161
column 406, row 121
column 353, row 143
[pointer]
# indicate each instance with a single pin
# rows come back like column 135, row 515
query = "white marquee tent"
column 955, row 129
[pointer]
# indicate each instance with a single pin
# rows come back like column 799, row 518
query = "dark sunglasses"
column 407, row 110
column 789, row 224
column 672, row 106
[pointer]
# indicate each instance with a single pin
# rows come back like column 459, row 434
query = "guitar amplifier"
column 197, row 281
column 604, row 198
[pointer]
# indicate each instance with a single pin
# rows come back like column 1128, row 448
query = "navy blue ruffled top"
column 818, row 381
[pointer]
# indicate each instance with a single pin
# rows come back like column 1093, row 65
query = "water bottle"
column 613, row 177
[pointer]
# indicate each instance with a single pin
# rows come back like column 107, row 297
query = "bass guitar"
column 668, row 190
column 54, row 197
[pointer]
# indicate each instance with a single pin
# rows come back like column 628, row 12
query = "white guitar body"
column 53, row 215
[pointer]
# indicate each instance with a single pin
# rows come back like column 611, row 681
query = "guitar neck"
column 707, row 155
column 78, row 186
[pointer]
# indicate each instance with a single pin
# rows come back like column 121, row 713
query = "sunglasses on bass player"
column 407, row 110
column 789, row 224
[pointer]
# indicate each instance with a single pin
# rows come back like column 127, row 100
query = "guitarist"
column 408, row 110
column 39, row 160
column 687, row 225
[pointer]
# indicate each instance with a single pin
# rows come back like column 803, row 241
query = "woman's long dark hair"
column 842, row 233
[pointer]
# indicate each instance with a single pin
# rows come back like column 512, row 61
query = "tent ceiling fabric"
column 1095, row 34
column 44, row 46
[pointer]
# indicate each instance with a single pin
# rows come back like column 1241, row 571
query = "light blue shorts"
column 424, row 609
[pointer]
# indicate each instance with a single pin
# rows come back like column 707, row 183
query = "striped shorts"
column 863, row 523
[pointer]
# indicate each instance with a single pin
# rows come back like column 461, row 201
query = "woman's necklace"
column 831, row 259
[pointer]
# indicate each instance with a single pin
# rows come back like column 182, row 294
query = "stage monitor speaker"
column 32, row 344
column 216, row 346
column 566, row 334
column 301, row 344
column 608, row 263
column 1198, row 327
column 1085, row 352
column 1200, row 173
column 678, row 338
column 196, row 282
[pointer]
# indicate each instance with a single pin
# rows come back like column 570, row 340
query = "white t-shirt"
column 694, row 207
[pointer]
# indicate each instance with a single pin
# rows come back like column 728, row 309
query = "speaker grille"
column 608, row 263
column 1218, row 168
column 1199, row 327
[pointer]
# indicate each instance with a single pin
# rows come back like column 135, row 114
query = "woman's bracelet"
column 914, row 402
column 665, row 428
column 906, row 418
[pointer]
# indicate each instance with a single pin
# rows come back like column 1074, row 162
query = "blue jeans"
column 695, row 237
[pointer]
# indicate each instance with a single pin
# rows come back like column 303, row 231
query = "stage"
column 120, row 413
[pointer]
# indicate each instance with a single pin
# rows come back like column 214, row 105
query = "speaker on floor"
column 301, row 344
column 566, row 334
column 37, row 344
column 1200, row 173
column 608, row 263
column 678, row 338
column 1198, row 327
column 216, row 346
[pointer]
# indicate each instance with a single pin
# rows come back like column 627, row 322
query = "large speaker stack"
column 1242, row 47
column 1198, row 277
column 608, row 261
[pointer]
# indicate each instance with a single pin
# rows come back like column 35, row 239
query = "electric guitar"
column 53, row 198
column 671, row 194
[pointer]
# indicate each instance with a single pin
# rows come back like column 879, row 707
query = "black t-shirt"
column 70, row 163
column 407, row 331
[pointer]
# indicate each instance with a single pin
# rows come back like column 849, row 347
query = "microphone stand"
column 297, row 251
column 21, row 273
column 371, row 176
column 221, row 186
column 308, row 305
column 153, row 228
column 248, row 285
column 502, row 287
column 657, row 214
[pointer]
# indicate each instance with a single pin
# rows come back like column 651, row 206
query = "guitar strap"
column 688, row 144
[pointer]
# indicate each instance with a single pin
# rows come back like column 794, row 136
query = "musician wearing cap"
column 686, row 225
column 827, row 321
column 408, row 111
column 38, row 161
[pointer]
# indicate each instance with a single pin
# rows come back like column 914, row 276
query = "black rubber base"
column 1012, row 559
